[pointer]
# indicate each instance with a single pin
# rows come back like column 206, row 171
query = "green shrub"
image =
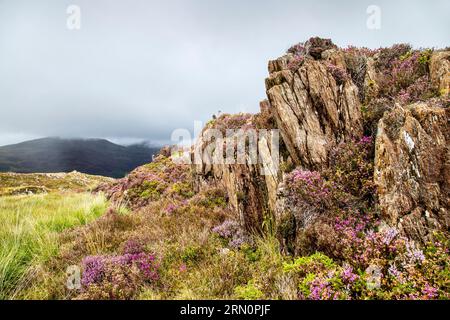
column 248, row 292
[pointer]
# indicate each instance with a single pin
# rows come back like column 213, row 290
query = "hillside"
column 355, row 206
column 91, row 156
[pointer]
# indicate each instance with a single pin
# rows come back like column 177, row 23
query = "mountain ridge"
column 91, row 156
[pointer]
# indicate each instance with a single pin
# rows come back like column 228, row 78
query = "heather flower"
column 132, row 246
column 389, row 235
column 171, row 208
column 146, row 264
column 239, row 239
column 430, row 292
column 414, row 254
column 365, row 140
column 94, row 267
column 393, row 271
column 338, row 73
column 347, row 274
column 351, row 168
column 182, row 268
column 232, row 231
column 320, row 290
column 227, row 121
column 308, row 188
column 98, row 268
column 404, row 96
column 363, row 51
column 227, row 229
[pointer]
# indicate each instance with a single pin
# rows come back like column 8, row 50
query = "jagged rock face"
column 316, row 105
column 312, row 111
column 412, row 169
column 251, row 194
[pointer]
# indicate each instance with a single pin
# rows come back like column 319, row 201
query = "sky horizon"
column 137, row 70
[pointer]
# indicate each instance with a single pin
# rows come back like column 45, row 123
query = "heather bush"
column 308, row 188
column 339, row 74
column 309, row 198
column 403, row 270
column 320, row 278
column 405, row 74
column 233, row 233
column 360, row 51
column 231, row 121
column 117, row 277
column 388, row 56
column 162, row 178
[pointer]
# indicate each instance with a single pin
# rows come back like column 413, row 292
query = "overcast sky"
column 136, row 70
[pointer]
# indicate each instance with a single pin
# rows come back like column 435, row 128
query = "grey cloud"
column 139, row 69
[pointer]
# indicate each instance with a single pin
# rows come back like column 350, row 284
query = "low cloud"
column 137, row 70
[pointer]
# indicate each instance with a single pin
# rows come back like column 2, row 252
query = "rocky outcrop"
column 251, row 181
column 412, row 168
column 312, row 109
column 315, row 94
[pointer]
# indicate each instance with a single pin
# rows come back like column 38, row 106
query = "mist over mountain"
column 91, row 156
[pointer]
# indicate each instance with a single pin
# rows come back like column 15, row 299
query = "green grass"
column 29, row 231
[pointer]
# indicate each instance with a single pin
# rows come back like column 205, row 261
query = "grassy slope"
column 29, row 232
column 34, row 210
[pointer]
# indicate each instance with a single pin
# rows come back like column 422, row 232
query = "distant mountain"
column 91, row 156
